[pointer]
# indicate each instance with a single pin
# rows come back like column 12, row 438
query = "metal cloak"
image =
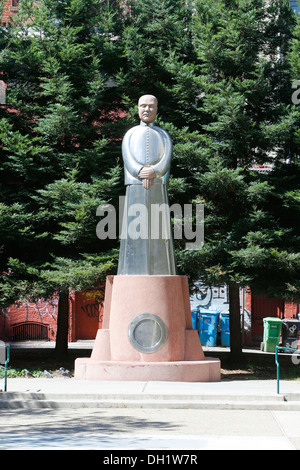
column 146, row 239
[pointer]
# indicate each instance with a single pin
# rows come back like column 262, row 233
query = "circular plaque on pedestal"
column 147, row 333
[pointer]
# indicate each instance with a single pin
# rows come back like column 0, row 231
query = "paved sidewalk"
column 65, row 413
column 72, row 386
column 154, row 424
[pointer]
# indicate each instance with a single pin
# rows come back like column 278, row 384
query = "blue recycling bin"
column 225, row 329
column 207, row 327
column 195, row 318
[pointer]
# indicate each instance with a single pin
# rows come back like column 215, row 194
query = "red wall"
column 44, row 312
column 85, row 316
column 8, row 10
column 291, row 310
column 261, row 307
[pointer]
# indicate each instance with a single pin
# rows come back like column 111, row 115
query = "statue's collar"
column 150, row 124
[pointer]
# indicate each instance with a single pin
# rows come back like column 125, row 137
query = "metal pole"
column 5, row 370
column 277, row 362
column 243, row 317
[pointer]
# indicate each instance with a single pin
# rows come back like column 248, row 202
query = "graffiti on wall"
column 41, row 311
column 211, row 297
column 93, row 310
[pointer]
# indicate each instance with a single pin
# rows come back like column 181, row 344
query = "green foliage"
column 251, row 232
column 224, row 94
column 17, row 372
column 58, row 146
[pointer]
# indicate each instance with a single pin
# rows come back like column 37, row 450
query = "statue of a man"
column 147, row 153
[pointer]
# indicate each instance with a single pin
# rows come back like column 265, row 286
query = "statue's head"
column 147, row 108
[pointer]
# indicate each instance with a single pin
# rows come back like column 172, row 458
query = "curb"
column 37, row 400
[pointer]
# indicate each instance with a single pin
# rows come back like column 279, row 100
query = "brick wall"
column 6, row 331
column 42, row 312
column 85, row 316
column 291, row 310
column 10, row 7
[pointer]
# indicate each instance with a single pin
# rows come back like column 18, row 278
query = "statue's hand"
column 147, row 172
column 148, row 182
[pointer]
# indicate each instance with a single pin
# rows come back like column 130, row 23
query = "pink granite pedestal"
column 147, row 334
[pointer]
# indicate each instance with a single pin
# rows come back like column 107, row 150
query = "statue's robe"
column 146, row 239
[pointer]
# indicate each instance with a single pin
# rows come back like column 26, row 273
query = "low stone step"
column 147, row 397
column 214, row 403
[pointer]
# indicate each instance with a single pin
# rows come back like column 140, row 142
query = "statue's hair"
column 152, row 96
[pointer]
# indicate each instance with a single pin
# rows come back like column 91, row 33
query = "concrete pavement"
column 65, row 413
column 157, row 429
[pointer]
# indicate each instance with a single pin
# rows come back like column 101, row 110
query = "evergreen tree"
column 159, row 58
column 294, row 56
column 222, row 74
column 58, row 156
column 250, row 235
column 154, row 32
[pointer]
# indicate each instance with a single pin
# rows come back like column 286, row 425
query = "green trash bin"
column 272, row 329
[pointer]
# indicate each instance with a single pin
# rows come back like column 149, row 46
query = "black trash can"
column 290, row 332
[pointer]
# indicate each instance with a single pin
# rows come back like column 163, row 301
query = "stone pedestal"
column 147, row 334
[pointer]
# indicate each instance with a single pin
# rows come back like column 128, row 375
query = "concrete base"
column 118, row 356
column 207, row 370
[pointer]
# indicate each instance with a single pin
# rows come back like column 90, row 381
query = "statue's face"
column 147, row 108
